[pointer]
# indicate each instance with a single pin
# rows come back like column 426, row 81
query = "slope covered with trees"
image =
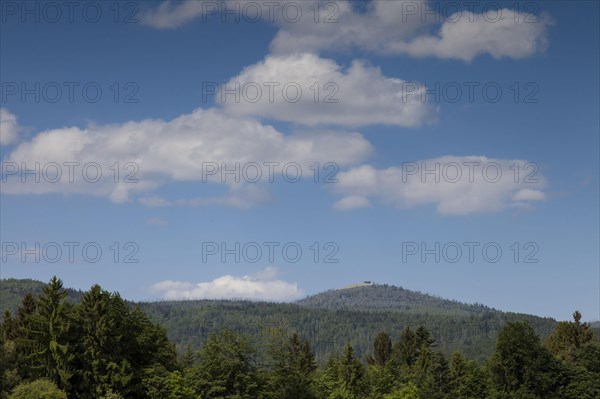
column 329, row 320
column 372, row 297
column 103, row 348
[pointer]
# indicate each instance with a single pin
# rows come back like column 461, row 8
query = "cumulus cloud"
column 263, row 286
column 151, row 153
column 310, row 90
column 454, row 185
column 9, row 128
column 473, row 35
column 418, row 28
column 408, row 27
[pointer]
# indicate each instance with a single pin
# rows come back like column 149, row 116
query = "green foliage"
column 382, row 350
column 101, row 347
column 409, row 391
column 467, row 380
column 352, row 373
column 12, row 292
column 568, row 337
column 521, row 364
column 110, row 394
column 226, row 368
column 330, row 319
column 51, row 355
column 406, row 349
column 95, row 348
column 38, row 389
column 291, row 367
column 160, row 383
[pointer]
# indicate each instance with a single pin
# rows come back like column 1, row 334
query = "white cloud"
column 527, row 194
column 176, row 150
column 351, row 202
column 241, row 196
column 455, row 185
column 342, row 27
column 473, row 35
column 168, row 16
column 418, row 28
column 405, row 27
column 9, row 128
column 263, row 286
column 309, row 90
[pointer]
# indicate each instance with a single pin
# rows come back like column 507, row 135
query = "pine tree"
column 382, row 350
column 292, row 366
column 351, row 372
column 406, row 349
column 568, row 337
column 52, row 355
column 105, row 340
column 226, row 367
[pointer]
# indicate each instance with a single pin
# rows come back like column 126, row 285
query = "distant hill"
column 329, row 320
column 388, row 298
column 12, row 292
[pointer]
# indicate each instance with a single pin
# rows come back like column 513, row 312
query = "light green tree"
column 38, row 389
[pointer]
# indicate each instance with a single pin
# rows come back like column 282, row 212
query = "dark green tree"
column 406, row 349
column 292, row 364
column 226, row 368
column 52, row 354
column 352, row 373
column 382, row 350
column 521, row 364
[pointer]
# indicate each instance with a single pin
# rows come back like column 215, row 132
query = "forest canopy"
column 101, row 346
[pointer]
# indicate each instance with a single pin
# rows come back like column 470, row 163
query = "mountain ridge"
column 385, row 297
column 354, row 297
column 328, row 320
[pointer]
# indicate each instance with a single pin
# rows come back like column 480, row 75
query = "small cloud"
column 263, row 286
column 240, row 196
column 169, row 16
column 351, row 202
column 9, row 128
column 527, row 194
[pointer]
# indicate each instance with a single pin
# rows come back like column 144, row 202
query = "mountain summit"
column 368, row 296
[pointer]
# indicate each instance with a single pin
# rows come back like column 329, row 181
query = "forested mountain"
column 98, row 346
column 13, row 290
column 329, row 320
column 374, row 297
column 190, row 322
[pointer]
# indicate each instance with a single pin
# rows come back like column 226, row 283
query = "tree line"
column 103, row 348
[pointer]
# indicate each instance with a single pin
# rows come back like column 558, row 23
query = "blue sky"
column 154, row 117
